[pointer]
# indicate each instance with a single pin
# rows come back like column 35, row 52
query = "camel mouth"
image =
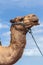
column 36, row 22
column 33, row 23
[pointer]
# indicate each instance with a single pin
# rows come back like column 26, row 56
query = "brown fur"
column 11, row 54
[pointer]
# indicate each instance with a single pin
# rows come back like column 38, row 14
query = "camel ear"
column 13, row 20
column 18, row 19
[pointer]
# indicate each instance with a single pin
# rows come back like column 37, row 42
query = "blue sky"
column 12, row 8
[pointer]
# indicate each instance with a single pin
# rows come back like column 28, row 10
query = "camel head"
column 28, row 21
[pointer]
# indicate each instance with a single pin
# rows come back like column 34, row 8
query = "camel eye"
column 21, row 19
column 28, row 16
column 33, row 15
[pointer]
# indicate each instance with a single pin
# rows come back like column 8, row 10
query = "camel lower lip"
column 37, row 23
column 28, row 26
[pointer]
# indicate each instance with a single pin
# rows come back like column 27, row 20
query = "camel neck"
column 18, row 37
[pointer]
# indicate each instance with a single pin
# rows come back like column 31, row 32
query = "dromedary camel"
column 11, row 54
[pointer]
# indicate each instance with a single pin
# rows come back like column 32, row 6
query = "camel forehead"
column 31, row 15
column 27, row 17
column 19, row 18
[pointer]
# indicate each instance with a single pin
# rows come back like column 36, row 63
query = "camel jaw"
column 30, row 25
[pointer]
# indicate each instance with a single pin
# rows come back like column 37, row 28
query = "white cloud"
column 41, row 38
column 41, row 24
column 6, row 33
column 31, row 52
column 3, row 26
column 38, row 29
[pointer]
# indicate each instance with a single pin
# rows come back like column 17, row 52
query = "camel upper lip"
column 29, row 25
column 36, row 21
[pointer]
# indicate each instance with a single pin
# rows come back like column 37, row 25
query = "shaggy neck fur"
column 15, row 50
column 11, row 54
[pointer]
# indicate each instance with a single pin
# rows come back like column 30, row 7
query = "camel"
column 9, row 55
